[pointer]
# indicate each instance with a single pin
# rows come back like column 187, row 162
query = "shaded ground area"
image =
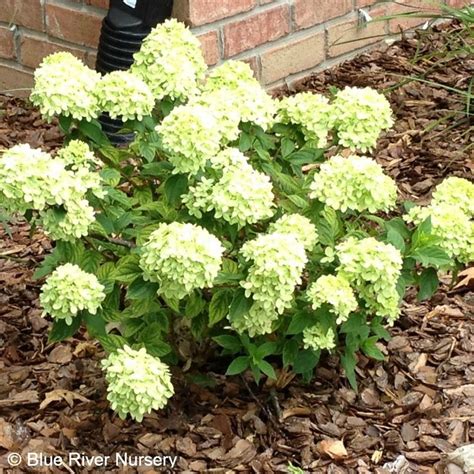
column 419, row 402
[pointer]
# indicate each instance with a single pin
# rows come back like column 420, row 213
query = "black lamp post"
column 124, row 28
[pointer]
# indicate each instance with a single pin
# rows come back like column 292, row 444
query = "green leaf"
column 228, row 342
column 93, row 130
column 349, row 362
column 139, row 288
column 127, row 269
column 290, row 351
column 429, row 283
column 299, row 322
column 65, row 123
column 238, row 365
column 194, row 305
column 266, row 349
column 329, row 226
column 158, row 348
column 245, row 142
column 70, row 251
column 90, row 261
column 431, row 255
column 112, row 342
column 110, row 176
column 49, row 263
column 298, row 201
column 370, row 349
column 174, row 187
column 287, row 147
column 240, row 305
column 379, row 330
column 257, row 374
column 95, row 324
column 305, row 361
column 61, row 330
column 396, row 239
column 118, row 196
column 267, row 369
column 398, row 225
column 219, row 305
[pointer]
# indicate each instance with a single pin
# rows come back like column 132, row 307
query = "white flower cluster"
column 455, row 191
column 76, row 155
column 356, row 183
column 191, row 135
column 373, row 269
column 278, row 261
column 69, row 290
column 32, row 179
column 124, row 95
column 170, row 61
column 298, row 226
column 240, row 195
column 64, row 85
column 359, row 115
column 234, row 81
column 451, row 211
column 137, row 382
column 336, row 291
column 454, row 228
column 182, row 258
column 316, row 338
column 310, row 111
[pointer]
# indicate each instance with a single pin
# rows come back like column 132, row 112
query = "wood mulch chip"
column 411, row 410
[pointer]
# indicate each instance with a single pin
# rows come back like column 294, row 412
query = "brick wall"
column 281, row 39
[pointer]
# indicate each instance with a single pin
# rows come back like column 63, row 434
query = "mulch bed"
column 418, row 403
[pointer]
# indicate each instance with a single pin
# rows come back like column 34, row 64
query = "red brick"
column 256, row 30
column 7, row 46
column 313, row 12
column 98, row 3
column 292, row 58
column 200, row 12
column 458, row 3
column 210, row 47
column 406, row 22
column 365, row 3
column 27, row 13
column 33, row 50
column 73, row 25
column 15, row 80
column 347, row 36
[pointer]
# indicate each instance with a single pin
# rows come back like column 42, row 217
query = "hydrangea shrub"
column 256, row 227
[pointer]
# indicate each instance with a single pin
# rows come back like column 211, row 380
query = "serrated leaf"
column 299, row 322
column 219, row 305
column 110, row 176
column 174, row 187
column 287, row 147
column 139, row 288
column 429, row 283
column 112, row 342
column 396, row 239
column 266, row 349
column 370, row 349
column 228, row 342
column 238, row 365
column 290, row 351
column 194, row 305
column 267, row 369
column 349, row 362
column 127, row 269
column 61, row 330
column 305, row 361
column 431, row 255
column 240, row 305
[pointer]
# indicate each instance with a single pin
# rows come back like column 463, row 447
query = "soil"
column 412, row 409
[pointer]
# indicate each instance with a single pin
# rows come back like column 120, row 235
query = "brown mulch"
column 418, row 403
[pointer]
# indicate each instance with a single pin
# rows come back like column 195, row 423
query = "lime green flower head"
column 70, row 223
column 316, row 338
column 278, row 261
column 77, row 154
column 65, row 86
column 137, row 382
column 22, row 178
column 311, row 112
column 373, row 269
column 69, row 290
column 191, row 135
column 298, row 226
column 359, row 116
column 182, row 258
column 125, row 96
column 258, row 321
column 336, row 291
column 170, row 61
column 241, row 195
column 243, row 93
column 448, row 221
column 356, row 183
column 455, row 191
